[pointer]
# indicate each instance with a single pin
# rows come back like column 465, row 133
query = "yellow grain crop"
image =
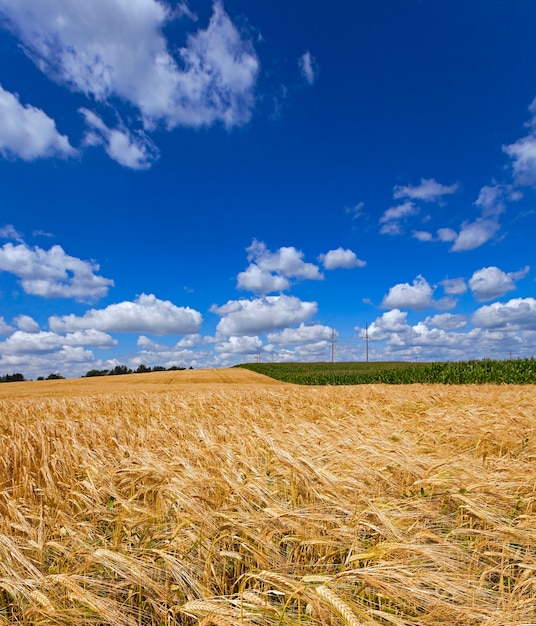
column 222, row 497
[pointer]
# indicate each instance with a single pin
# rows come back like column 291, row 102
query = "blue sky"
column 207, row 183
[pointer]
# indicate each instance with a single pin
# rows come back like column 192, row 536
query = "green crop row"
column 518, row 371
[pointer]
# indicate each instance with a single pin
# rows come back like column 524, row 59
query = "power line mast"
column 366, row 340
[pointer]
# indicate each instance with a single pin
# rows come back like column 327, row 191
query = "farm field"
column 224, row 497
column 512, row 371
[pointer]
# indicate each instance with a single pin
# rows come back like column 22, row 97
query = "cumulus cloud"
column 391, row 228
column 22, row 342
column 27, row 132
column 523, row 155
column 68, row 360
column 519, row 313
column 422, row 235
column 9, row 232
column 302, row 335
column 454, row 286
column 435, row 336
column 446, row 321
column 446, row 234
column 383, row 327
column 340, row 258
column 496, row 331
column 239, row 345
column 147, row 314
column 399, row 212
column 429, row 190
column 53, row 274
column 475, row 234
column 270, row 271
column 391, row 219
column 491, row 282
column 417, row 296
column 490, row 199
column 258, row 280
column 5, row 328
column 89, row 47
column 133, row 150
column 308, row 67
column 261, row 315
column 27, row 324
column 286, row 261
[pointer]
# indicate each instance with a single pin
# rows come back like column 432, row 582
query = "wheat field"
column 222, row 497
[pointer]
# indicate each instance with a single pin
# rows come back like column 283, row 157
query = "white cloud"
column 391, row 219
column 491, row 282
column 239, row 345
column 308, row 66
column 417, row 296
column 69, row 361
column 383, row 327
column 189, row 341
column 340, row 258
column 454, row 286
column 523, row 155
column 5, row 328
column 27, row 133
column 21, row 342
column 399, row 212
column 270, row 271
column 429, row 190
column 391, row 228
column 133, row 150
column 286, row 261
column 357, row 210
column 422, row 235
column 260, row 315
column 52, row 273
column 446, row 321
column 27, row 324
column 258, row 280
column 302, row 335
column 9, row 232
column 147, row 314
column 490, row 199
column 446, row 234
column 183, row 10
column 88, row 46
column 519, row 313
column 475, row 234
column 499, row 330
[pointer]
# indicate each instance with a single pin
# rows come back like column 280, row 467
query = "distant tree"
column 159, row 368
column 12, row 378
column 142, row 369
column 56, row 376
column 97, row 373
column 118, row 370
column 40, row 378
column 174, row 368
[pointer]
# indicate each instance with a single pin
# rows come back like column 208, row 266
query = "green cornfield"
column 511, row 372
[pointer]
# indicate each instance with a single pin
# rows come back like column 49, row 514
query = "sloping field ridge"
column 153, row 381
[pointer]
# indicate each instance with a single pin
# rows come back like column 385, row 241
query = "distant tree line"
column 12, row 378
column 16, row 378
column 54, row 376
column 116, row 371
column 119, row 370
